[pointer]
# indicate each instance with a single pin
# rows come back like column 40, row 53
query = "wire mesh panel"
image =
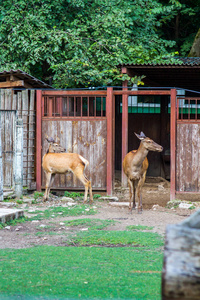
column 188, row 108
column 74, row 106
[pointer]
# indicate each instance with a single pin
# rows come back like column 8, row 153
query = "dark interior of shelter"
column 150, row 114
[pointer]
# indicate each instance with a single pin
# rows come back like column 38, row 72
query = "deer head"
column 148, row 143
column 54, row 147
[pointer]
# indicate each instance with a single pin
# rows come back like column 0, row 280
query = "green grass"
column 53, row 212
column 104, row 264
column 85, row 272
column 138, row 227
column 148, row 240
column 91, row 224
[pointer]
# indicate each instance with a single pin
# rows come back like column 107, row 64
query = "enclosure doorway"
column 150, row 114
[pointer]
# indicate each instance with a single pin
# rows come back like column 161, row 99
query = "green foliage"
column 180, row 22
column 81, row 43
column 53, row 212
column 96, row 196
column 71, row 273
column 37, row 195
column 14, row 222
column 7, row 199
column 192, row 207
column 73, row 195
column 19, row 201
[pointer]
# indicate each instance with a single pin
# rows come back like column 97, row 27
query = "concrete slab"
column 8, row 214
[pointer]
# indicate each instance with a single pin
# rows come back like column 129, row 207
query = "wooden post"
column 1, row 168
column 18, row 161
column 173, row 145
column 124, row 130
column 38, row 140
column 109, row 115
column 181, row 268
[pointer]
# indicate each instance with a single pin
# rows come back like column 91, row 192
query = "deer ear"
column 141, row 136
column 50, row 139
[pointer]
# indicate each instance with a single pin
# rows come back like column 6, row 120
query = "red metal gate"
column 83, row 120
column 78, row 120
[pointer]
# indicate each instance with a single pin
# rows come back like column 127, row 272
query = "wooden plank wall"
column 7, row 137
column 88, row 138
column 24, row 103
column 188, row 157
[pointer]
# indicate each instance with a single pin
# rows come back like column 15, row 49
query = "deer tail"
column 85, row 161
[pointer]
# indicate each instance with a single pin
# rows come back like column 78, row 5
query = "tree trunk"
column 195, row 50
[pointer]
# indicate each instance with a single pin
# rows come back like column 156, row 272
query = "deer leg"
column 139, row 201
column 51, row 182
column 47, row 187
column 79, row 174
column 139, row 193
column 142, row 181
column 88, row 186
column 130, row 184
column 134, row 190
column 90, row 191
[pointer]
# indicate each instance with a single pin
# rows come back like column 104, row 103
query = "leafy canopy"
column 81, row 43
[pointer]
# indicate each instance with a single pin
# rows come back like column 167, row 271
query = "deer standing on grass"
column 55, row 161
column 135, row 165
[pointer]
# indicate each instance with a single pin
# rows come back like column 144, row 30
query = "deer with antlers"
column 135, row 165
column 57, row 161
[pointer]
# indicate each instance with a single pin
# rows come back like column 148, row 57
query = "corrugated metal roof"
column 181, row 61
column 34, row 82
column 190, row 61
column 183, row 74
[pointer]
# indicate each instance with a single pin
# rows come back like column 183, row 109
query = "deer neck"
column 140, row 155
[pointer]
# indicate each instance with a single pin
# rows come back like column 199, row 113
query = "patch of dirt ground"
column 155, row 214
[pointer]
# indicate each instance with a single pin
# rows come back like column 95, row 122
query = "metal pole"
column 38, row 140
column 109, row 115
column 173, row 145
column 1, row 168
column 124, row 130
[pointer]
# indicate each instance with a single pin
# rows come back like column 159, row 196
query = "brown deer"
column 55, row 161
column 135, row 165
